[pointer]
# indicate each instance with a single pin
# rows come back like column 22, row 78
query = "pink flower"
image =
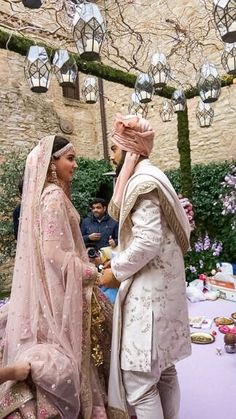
column 43, row 414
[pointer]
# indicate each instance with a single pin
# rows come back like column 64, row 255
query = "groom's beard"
column 120, row 164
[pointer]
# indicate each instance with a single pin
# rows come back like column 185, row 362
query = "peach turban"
column 134, row 135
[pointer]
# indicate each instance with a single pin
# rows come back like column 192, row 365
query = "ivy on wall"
column 21, row 45
column 184, row 149
column 207, row 187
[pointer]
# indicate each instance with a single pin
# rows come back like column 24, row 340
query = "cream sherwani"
column 150, row 313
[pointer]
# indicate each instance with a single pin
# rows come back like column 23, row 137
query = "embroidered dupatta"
column 49, row 317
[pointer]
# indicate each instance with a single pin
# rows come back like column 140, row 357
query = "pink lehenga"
column 58, row 320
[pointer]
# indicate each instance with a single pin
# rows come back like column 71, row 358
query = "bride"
column 58, row 320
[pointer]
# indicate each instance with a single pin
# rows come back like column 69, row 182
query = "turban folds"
column 134, row 135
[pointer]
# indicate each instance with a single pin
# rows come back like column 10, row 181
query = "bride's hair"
column 59, row 142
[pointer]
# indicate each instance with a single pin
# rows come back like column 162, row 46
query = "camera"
column 92, row 253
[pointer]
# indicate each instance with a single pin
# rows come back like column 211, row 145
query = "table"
column 207, row 380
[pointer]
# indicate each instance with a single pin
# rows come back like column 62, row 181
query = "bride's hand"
column 90, row 275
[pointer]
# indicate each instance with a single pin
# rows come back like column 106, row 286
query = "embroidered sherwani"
column 150, row 314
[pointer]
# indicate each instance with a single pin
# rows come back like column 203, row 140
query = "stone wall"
column 216, row 143
column 26, row 116
column 185, row 32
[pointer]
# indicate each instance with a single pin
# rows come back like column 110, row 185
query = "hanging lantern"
column 65, row 68
column 144, row 87
column 225, row 19
column 32, row 4
column 166, row 111
column 90, row 90
column 178, row 100
column 228, row 58
column 37, row 69
column 208, row 83
column 136, row 107
column 89, row 31
column 159, row 70
column 204, row 114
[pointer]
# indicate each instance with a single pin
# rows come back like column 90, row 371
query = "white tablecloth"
column 208, row 381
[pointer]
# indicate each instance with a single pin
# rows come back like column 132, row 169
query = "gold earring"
column 53, row 177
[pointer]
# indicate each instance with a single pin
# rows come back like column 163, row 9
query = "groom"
column 150, row 327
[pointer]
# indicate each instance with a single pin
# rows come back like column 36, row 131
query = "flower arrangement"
column 3, row 301
column 229, row 198
column 202, row 258
column 188, row 208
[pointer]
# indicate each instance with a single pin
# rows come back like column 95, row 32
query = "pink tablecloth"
column 208, row 381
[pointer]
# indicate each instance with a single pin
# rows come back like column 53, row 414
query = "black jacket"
column 16, row 216
column 106, row 226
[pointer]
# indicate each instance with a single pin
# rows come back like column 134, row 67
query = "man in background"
column 98, row 228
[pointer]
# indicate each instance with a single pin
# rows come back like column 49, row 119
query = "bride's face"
column 65, row 166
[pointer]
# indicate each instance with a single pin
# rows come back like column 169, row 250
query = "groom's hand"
column 108, row 279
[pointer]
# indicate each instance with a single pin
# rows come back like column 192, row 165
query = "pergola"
column 21, row 45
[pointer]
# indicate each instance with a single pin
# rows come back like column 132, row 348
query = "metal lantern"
column 136, row 107
column 37, row 69
column 166, row 111
column 32, row 4
column 65, row 68
column 178, row 100
column 208, row 83
column 159, row 70
column 90, row 90
column 225, row 19
column 144, row 87
column 89, row 30
column 228, row 58
column 204, row 114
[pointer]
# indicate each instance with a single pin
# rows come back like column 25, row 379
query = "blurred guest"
column 98, row 228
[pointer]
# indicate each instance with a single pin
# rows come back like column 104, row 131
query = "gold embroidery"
column 97, row 322
column 173, row 222
column 166, row 207
column 44, row 404
column 114, row 413
column 94, row 316
column 114, row 210
column 130, row 201
column 86, row 391
column 14, row 398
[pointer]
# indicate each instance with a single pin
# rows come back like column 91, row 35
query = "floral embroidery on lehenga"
column 20, row 402
column 18, row 395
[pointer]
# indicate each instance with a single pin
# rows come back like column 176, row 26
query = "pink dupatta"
column 45, row 314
